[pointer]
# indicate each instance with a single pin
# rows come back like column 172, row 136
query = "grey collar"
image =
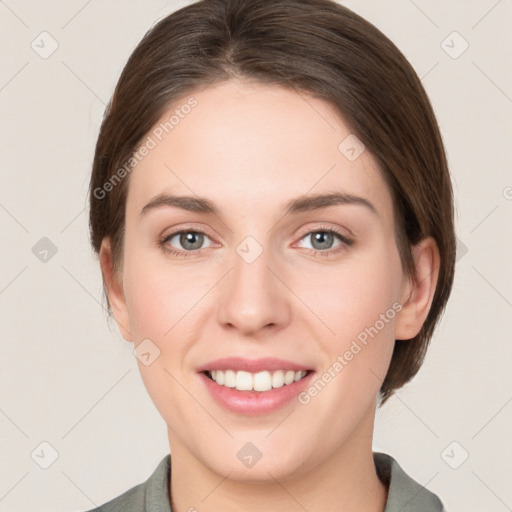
column 404, row 495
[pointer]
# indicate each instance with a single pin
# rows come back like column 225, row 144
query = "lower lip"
column 255, row 402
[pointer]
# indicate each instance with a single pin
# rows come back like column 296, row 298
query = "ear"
column 418, row 291
column 114, row 287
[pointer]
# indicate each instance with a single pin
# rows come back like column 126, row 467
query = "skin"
column 249, row 148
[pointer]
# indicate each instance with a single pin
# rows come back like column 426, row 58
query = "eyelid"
column 319, row 225
column 170, row 232
column 346, row 240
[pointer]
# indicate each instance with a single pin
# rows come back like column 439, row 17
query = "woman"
column 272, row 210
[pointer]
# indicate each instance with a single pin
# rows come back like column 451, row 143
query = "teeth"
column 261, row 381
column 289, row 377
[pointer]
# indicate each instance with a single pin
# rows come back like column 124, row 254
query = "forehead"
column 248, row 143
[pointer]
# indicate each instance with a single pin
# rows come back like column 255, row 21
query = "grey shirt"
column 404, row 495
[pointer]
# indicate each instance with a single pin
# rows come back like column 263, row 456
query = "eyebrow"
column 300, row 204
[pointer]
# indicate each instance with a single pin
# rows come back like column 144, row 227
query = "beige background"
column 71, row 381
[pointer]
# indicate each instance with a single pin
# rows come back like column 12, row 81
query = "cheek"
column 160, row 294
column 347, row 297
column 159, row 298
column 353, row 295
column 358, row 301
column 162, row 302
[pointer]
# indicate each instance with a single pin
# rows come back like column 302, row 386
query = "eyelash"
column 346, row 241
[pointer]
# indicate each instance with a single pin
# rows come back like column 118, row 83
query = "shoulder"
column 131, row 500
column 153, row 494
column 404, row 493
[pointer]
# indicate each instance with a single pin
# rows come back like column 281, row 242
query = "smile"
column 260, row 381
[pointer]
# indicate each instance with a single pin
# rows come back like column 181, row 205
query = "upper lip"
column 252, row 365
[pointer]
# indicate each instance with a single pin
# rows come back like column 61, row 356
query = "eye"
column 322, row 240
column 188, row 241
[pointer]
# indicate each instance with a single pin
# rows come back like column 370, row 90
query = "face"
column 249, row 269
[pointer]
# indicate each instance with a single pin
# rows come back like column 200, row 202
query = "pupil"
column 321, row 237
column 188, row 238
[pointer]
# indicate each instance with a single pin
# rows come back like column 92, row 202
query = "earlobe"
column 114, row 288
column 419, row 292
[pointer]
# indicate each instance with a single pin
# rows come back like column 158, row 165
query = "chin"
column 250, row 465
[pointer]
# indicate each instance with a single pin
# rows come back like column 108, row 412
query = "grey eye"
column 188, row 240
column 321, row 240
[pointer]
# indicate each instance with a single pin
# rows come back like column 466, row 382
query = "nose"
column 253, row 297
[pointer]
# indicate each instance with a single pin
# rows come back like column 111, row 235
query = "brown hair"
column 315, row 46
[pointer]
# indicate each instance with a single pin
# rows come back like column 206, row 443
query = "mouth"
column 258, row 381
column 254, row 387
